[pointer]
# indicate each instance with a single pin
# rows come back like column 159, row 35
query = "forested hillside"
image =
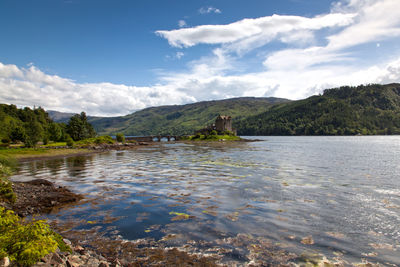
column 181, row 119
column 371, row 109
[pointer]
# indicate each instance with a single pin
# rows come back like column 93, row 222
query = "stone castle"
column 222, row 124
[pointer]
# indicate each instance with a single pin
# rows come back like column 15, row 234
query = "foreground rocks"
column 78, row 257
column 40, row 196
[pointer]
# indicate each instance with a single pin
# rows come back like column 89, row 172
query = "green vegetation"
column 105, row 139
column 7, row 166
column 213, row 136
column 371, row 109
column 120, row 137
column 181, row 119
column 26, row 242
column 79, row 128
column 26, row 153
column 28, row 126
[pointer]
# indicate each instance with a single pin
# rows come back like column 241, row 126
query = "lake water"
column 282, row 199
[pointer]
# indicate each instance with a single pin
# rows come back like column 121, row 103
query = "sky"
column 114, row 57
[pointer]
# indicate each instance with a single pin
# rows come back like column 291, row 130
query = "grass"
column 55, row 144
column 26, row 153
column 49, row 150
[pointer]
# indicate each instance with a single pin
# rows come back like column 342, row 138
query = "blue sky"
column 111, row 58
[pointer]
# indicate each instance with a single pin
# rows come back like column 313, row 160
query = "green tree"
column 120, row 137
column 34, row 133
column 79, row 128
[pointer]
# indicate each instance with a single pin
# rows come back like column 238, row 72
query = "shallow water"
column 334, row 196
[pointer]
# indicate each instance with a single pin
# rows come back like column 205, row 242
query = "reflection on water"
column 336, row 196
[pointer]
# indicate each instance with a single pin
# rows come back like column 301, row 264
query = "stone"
column 5, row 262
column 79, row 249
column 56, row 259
column 66, row 241
column 103, row 264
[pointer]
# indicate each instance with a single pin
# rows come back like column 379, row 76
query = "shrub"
column 25, row 242
column 213, row 132
column 7, row 166
column 6, row 140
column 45, row 140
column 105, row 139
column 69, row 141
column 120, row 137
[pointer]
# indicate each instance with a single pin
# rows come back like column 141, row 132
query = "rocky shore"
column 41, row 196
column 78, row 257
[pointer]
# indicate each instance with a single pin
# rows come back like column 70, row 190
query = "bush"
column 45, row 140
column 213, row 132
column 6, row 140
column 7, row 165
column 105, row 139
column 69, row 141
column 120, row 137
column 25, row 242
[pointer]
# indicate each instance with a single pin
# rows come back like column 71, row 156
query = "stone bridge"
column 154, row 138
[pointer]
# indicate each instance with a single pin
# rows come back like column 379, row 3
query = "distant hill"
column 181, row 119
column 371, row 109
column 64, row 117
column 60, row 116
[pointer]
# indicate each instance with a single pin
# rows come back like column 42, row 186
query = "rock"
column 79, row 249
column 40, row 196
column 68, row 242
column 103, row 264
column 5, row 262
column 56, row 259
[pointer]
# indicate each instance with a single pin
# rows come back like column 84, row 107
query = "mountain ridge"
column 177, row 119
column 365, row 109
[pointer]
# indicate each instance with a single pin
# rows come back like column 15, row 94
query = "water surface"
column 332, row 196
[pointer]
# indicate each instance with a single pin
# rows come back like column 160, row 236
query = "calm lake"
column 281, row 199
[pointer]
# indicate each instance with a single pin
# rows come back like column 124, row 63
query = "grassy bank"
column 28, row 153
column 55, row 149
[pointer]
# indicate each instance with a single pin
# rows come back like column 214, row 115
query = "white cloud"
column 376, row 20
column 266, row 28
column 208, row 10
column 181, row 23
column 179, row 55
column 30, row 86
column 301, row 69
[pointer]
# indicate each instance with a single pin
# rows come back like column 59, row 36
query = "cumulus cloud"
column 305, row 66
column 30, row 86
column 376, row 20
column 266, row 28
column 208, row 10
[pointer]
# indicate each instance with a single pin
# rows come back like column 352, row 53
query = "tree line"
column 31, row 126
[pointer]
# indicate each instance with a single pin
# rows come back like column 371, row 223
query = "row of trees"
column 33, row 125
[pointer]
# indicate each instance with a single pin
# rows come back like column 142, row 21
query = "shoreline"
column 61, row 152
